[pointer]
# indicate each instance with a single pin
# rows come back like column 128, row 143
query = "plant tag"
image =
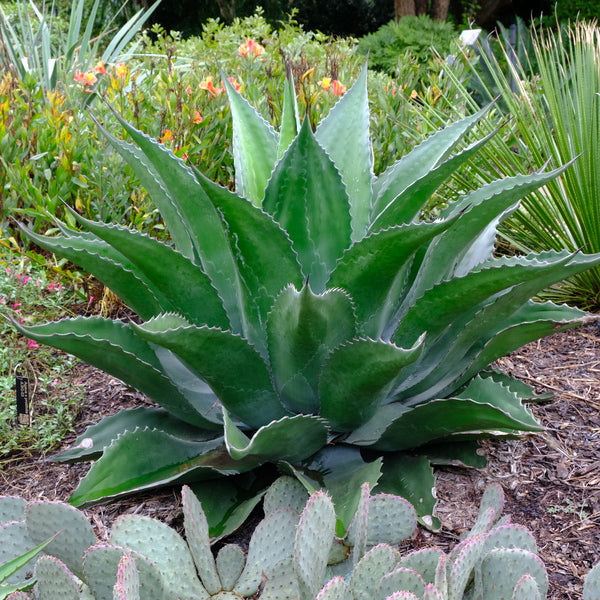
column 23, row 411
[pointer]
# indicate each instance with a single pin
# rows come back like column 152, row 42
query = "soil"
column 551, row 480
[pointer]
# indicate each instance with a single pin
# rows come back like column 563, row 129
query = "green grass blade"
column 12, row 566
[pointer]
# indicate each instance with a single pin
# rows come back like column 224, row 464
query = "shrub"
column 419, row 37
column 571, row 10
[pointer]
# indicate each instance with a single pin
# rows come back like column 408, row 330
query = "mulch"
column 551, row 480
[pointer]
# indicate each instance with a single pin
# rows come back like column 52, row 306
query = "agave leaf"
column 228, row 363
column 539, row 321
column 254, row 147
column 519, row 387
column 303, row 328
column 448, row 356
column 263, row 254
column 418, row 163
column 116, row 349
column 407, row 204
column 150, row 458
column 90, row 444
column 290, row 120
column 290, row 439
column 357, row 378
column 314, row 211
column 459, row 454
column 228, row 502
column 191, row 218
column 472, row 240
column 151, row 178
column 396, row 427
column 463, row 296
column 411, row 477
column 341, row 471
column 182, row 286
column 344, row 134
column 373, row 271
column 108, row 265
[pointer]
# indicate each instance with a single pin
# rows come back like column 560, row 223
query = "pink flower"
column 8, row 271
column 16, row 305
column 32, row 344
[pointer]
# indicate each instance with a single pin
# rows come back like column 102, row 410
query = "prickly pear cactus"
column 293, row 553
column 591, row 585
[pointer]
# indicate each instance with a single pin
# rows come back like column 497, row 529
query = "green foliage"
column 571, row 10
column 27, row 42
column 34, row 292
column 53, row 153
column 308, row 305
column 554, row 117
column 419, row 37
column 293, row 553
column 164, row 566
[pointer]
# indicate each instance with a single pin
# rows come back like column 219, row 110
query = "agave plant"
column 307, row 320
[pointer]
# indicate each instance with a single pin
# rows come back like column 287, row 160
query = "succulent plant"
column 293, row 553
column 591, row 584
column 144, row 558
column 309, row 320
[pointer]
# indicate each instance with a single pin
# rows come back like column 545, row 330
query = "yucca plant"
column 307, row 320
column 551, row 96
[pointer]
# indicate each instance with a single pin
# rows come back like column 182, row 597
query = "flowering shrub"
column 53, row 152
column 31, row 291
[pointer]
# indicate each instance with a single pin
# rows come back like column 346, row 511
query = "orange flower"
column 236, row 86
column 87, row 79
column 197, row 118
column 251, row 49
column 100, row 68
column 208, row 85
column 167, row 136
column 337, row 88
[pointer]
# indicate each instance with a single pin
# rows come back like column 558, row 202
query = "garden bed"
column 551, row 481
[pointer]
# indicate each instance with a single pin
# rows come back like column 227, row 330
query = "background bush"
column 421, row 37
